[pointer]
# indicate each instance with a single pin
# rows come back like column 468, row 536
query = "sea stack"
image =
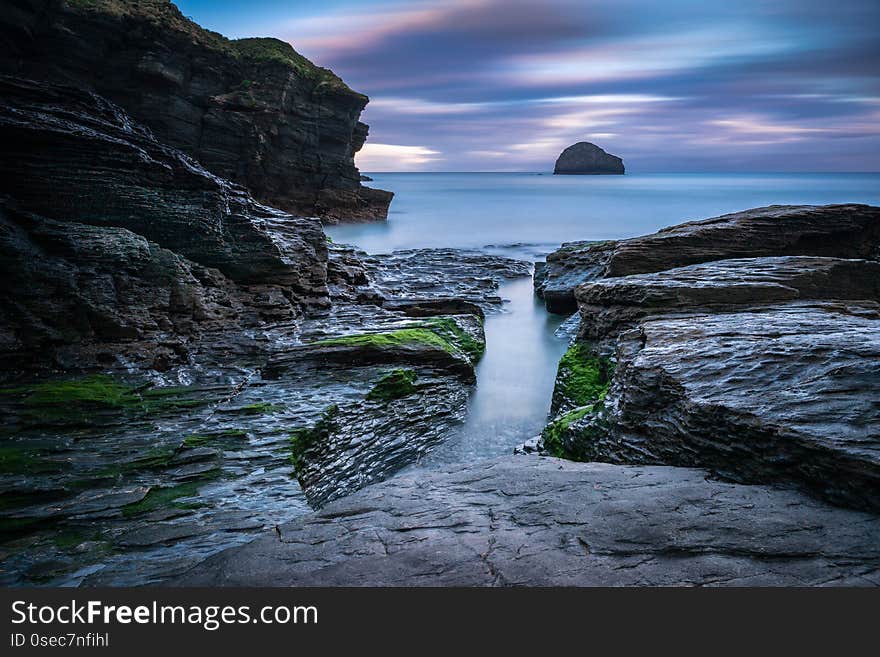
column 585, row 158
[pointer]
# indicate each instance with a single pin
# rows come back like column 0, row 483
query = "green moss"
column 449, row 329
column 583, row 378
column 15, row 460
column 553, row 433
column 84, row 400
column 200, row 440
column 394, row 385
column 441, row 332
column 159, row 498
column 397, row 338
column 155, row 459
column 306, row 437
column 258, row 409
column 98, row 391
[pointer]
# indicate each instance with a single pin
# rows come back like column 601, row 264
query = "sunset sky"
column 681, row 85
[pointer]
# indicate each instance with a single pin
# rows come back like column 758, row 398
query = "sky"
column 673, row 86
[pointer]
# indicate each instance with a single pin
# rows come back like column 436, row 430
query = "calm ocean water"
column 478, row 209
column 527, row 215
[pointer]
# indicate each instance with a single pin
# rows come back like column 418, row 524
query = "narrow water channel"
column 514, row 380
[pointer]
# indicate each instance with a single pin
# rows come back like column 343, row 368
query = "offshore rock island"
column 199, row 387
column 585, row 158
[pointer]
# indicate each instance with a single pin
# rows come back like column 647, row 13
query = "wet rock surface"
column 132, row 475
column 782, row 394
column 838, row 231
column 761, row 369
column 253, row 111
column 124, row 241
column 546, row 522
column 611, row 305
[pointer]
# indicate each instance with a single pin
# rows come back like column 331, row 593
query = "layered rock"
column 839, row 231
column 585, row 158
column 133, row 237
column 253, row 111
column 762, row 369
column 546, row 522
column 611, row 305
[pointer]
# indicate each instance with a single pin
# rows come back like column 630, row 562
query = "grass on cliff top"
column 167, row 15
column 394, row 385
column 267, row 49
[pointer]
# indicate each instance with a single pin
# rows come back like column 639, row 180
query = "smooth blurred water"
column 527, row 215
column 477, row 209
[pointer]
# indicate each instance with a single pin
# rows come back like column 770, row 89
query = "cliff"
column 113, row 243
column 253, row 111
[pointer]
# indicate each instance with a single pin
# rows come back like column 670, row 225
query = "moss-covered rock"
column 159, row 498
column 83, row 400
column 582, row 378
column 396, row 384
column 302, row 439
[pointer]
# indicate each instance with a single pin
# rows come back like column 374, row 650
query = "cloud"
column 683, row 85
column 394, row 157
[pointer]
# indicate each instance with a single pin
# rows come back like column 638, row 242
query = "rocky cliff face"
column 252, row 111
column 111, row 237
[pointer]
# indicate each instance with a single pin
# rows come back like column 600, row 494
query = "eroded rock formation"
column 111, row 237
column 252, row 111
column 763, row 369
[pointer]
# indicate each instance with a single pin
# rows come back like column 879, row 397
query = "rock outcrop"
column 546, row 522
column 111, row 237
column 838, row 231
column 252, row 111
column 585, row 158
column 762, row 369
column 181, row 458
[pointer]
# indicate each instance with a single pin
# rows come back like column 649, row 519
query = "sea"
column 526, row 216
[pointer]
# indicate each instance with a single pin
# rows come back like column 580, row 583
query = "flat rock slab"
column 840, row 231
column 544, row 522
column 611, row 305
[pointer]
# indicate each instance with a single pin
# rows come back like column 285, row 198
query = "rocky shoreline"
column 199, row 387
column 726, row 414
